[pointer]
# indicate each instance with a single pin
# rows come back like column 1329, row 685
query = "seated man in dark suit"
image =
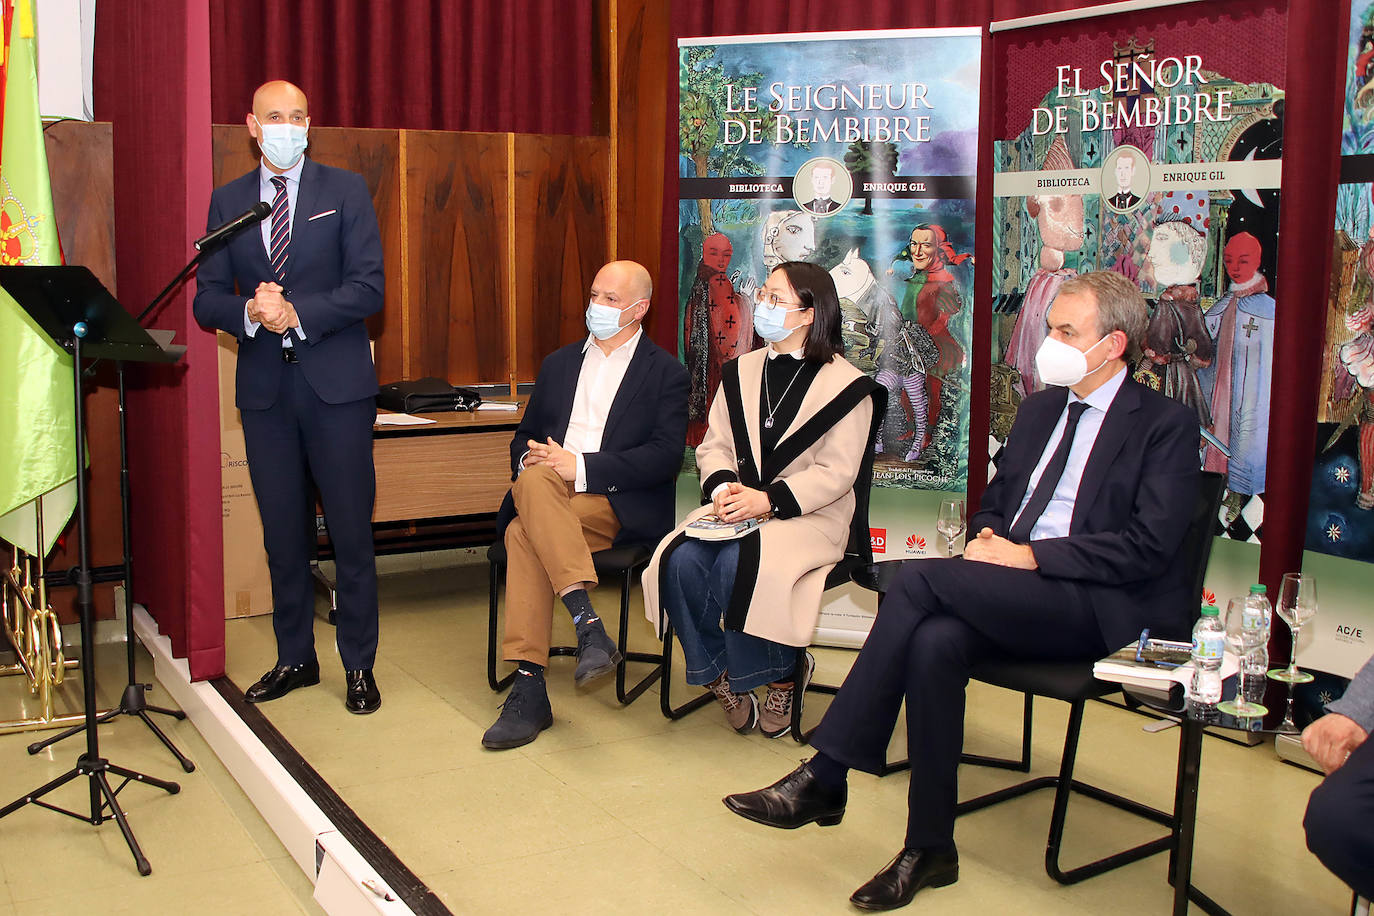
column 1340, row 813
column 595, row 464
column 1074, row 550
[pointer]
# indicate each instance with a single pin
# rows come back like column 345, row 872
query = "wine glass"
column 1241, row 640
column 950, row 522
column 1296, row 605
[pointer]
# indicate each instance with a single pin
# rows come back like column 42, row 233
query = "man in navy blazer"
column 594, row 464
column 1073, row 551
column 294, row 293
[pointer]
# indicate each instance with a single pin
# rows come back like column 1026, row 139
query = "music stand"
column 71, row 306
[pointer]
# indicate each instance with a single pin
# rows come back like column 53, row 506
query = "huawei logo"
column 915, row 544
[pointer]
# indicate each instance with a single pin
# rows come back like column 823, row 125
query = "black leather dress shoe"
column 281, row 680
column 912, row 870
column 362, row 696
column 796, row 799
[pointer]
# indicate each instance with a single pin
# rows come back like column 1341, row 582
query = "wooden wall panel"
column 456, row 243
column 560, row 239
column 642, row 34
column 375, row 154
column 81, row 171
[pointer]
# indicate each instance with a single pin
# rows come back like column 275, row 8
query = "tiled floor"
column 617, row 810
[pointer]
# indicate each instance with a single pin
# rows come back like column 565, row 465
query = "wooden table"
column 457, row 466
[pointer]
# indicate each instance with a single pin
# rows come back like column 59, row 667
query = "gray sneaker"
column 775, row 720
column 524, row 715
column 741, row 709
column 597, row 654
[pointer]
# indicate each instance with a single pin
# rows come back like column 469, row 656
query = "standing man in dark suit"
column 1074, row 550
column 295, row 295
column 595, row 464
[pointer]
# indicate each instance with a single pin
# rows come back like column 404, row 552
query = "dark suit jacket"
column 333, row 278
column 1133, row 506
column 641, row 447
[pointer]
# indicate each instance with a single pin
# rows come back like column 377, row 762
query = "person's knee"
column 534, row 479
column 940, row 643
column 1330, row 823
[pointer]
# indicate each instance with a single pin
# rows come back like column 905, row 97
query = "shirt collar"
column 627, row 348
column 1104, row 395
column 795, row 354
column 265, row 175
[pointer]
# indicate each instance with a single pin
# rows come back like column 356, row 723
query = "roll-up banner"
column 855, row 151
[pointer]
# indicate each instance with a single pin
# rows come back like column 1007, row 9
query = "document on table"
column 401, row 419
column 498, row 405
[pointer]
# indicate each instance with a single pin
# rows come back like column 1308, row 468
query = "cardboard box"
column 247, row 585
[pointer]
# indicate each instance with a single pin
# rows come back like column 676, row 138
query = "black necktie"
column 1020, row 531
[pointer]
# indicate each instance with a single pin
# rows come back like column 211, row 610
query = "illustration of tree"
column 702, row 87
column 869, row 161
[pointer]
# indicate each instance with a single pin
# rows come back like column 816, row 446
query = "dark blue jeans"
column 697, row 585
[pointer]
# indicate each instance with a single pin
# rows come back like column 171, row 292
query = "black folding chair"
column 622, row 563
column 1073, row 683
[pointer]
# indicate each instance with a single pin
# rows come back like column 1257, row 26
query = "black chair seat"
column 1067, row 681
column 614, row 560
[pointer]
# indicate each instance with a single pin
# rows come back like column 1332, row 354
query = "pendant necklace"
column 768, row 400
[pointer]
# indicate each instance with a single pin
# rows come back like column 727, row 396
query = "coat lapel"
column 1039, row 425
column 567, row 391
column 635, row 374
column 1116, row 427
column 307, row 196
column 751, row 367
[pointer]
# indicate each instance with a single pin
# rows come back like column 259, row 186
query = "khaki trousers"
column 549, row 547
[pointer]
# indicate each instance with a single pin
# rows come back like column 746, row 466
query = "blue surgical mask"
column 604, row 320
column 282, row 144
column 770, row 322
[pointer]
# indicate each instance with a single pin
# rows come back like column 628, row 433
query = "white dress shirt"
column 267, row 192
column 1054, row 521
column 597, row 384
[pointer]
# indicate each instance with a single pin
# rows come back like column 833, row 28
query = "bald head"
column 628, row 276
column 281, row 97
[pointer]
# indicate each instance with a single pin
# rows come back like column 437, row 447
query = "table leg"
column 1185, row 810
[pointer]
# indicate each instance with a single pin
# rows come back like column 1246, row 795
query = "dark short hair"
column 816, row 291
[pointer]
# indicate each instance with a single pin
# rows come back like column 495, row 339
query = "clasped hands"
column 554, row 455
column 737, row 503
column 997, row 550
column 269, row 309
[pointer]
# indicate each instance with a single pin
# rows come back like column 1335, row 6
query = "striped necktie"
column 281, row 230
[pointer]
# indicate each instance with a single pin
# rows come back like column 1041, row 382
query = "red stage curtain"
column 529, row 66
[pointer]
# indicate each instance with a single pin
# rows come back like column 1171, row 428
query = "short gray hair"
column 1120, row 306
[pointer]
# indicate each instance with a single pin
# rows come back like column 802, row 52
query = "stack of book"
column 1156, row 668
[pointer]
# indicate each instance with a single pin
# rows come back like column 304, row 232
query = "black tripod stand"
column 72, row 307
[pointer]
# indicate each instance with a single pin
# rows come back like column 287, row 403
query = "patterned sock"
column 579, row 605
column 828, row 771
column 530, row 669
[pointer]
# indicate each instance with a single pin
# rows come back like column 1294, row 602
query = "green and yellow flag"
column 37, row 421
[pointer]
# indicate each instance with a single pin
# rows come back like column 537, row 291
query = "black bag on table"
column 425, row 395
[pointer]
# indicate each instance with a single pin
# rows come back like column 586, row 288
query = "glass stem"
column 1293, row 655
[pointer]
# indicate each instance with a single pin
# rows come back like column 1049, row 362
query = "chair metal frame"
column 1197, row 548
column 623, row 693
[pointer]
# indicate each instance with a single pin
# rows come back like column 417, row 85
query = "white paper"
column 402, row 419
column 498, row 405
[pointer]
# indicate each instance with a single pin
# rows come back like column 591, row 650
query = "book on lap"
column 711, row 527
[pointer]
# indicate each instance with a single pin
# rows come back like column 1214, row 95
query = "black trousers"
column 1340, row 821
column 298, row 439
column 940, row 619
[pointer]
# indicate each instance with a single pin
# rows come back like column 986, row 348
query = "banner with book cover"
column 856, row 151
column 1149, row 144
column 1340, row 519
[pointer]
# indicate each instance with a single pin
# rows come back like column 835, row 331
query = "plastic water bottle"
column 1209, row 642
column 1258, row 616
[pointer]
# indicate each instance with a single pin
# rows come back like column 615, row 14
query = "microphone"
column 215, row 237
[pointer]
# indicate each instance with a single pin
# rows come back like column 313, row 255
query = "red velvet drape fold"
column 528, row 66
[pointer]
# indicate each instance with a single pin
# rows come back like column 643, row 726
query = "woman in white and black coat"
column 788, row 431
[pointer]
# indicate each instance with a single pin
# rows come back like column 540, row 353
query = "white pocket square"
column 321, row 215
